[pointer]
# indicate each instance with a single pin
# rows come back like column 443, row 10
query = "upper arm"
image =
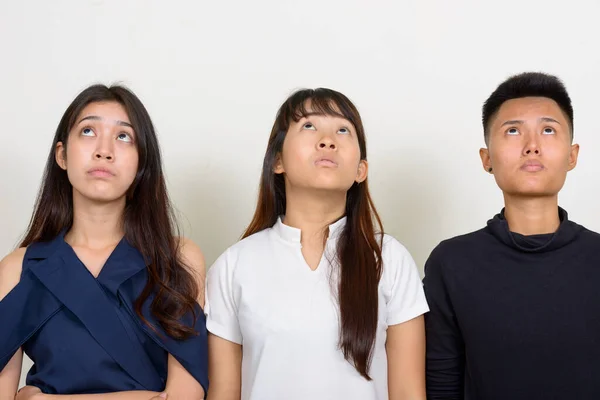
column 402, row 284
column 405, row 306
column 192, row 257
column 180, row 383
column 225, row 337
column 445, row 347
column 10, row 273
column 222, row 300
column 405, row 348
column 224, row 369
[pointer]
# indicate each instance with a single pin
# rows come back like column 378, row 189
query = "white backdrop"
column 213, row 73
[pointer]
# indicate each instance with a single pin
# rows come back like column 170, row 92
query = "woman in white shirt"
column 316, row 303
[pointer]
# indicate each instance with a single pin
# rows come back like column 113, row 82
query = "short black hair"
column 527, row 84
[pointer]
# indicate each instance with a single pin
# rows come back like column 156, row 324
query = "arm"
column 10, row 275
column 10, row 375
column 445, row 363
column 224, row 369
column 180, row 383
column 405, row 304
column 405, row 348
column 225, row 336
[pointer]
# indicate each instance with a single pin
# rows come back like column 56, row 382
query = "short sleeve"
column 220, row 306
column 405, row 295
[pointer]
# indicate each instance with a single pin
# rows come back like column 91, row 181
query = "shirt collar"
column 293, row 235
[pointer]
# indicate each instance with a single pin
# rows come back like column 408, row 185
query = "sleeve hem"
column 222, row 332
column 407, row 315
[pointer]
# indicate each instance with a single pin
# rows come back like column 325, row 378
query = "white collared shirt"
column 262, row 294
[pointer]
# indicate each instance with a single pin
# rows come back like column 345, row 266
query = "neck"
column 533, row 216
column 96, row 224
column 312, row 212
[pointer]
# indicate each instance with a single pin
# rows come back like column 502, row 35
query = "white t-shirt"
column 262, row 294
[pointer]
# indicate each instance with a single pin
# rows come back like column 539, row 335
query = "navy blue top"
column 514, row 317
column 83, row 333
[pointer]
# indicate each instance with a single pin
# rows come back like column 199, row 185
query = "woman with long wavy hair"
column 316, row 302
column 102, row 294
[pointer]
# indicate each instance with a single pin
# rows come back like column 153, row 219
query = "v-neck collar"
column 123, row 262
column 65, row 276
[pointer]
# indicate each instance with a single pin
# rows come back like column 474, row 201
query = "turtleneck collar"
column 567, row 232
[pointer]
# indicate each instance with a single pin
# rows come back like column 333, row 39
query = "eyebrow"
column 97, row 118
column 548, row 119
column 520, row 122
column 513, row 122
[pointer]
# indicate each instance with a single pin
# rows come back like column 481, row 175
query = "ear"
column 486, row 161
column 363, row 171
column 60, row 155
column 573, row 154
column 278, row 167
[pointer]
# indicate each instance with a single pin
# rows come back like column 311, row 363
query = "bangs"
column 320, row 102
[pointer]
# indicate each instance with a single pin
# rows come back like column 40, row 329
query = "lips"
column 325, row 162
column 101, row 173
column 532, row 166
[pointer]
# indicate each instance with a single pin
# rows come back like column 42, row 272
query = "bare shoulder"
column 192, row 256
column 10, row 271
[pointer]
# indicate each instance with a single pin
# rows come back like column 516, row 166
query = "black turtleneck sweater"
column 514, row 317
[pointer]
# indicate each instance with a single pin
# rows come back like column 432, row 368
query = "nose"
column 327, row 142
column 104, row 149
column 532, row 145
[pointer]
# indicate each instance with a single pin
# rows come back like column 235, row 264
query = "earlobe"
column 486, row 161
column 363, row 171
column 59, row 156
column 278, row 167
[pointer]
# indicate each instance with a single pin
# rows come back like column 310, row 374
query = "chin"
column 532, row 191
column 329, row 188
column 101, row 197
column 329, row 184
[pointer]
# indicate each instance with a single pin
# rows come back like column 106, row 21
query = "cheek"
column 505, row 157
column 296, row 151
column 129, row 162
column 559, row 156
column 75, row 156
column 351, row 154
column 355, row 155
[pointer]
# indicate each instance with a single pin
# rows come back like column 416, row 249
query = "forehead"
column 529, row 108
column 110, row 111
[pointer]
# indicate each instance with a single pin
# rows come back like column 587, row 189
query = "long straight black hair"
column 148, row 217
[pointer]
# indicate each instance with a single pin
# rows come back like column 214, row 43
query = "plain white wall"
column 213, row 73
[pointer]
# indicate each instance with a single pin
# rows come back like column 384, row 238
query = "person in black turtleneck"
column 515, row 306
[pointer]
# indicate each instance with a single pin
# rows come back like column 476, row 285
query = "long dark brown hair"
column 359, row 250
column 148, row 218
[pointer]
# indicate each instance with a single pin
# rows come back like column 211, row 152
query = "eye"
column 310, row 126
column 87, row 132
column 512, row 131
column 344, row 131
column 549, row 131
column 125, row 137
